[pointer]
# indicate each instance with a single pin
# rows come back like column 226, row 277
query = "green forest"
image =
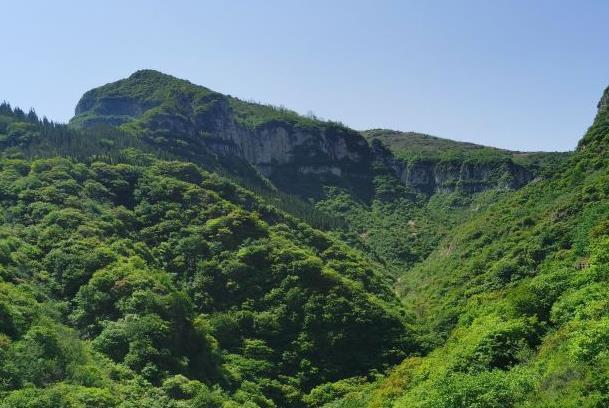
column 172, row 246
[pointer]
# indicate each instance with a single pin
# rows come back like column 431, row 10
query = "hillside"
column 513, row 300
column 406, row 144
column 414, row 147
column 191, row 121
column 299, row 155
column 131, row 280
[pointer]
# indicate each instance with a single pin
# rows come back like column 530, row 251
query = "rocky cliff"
column 184, row 117
column 430, row 176
column 434, row 175
column 291, row 150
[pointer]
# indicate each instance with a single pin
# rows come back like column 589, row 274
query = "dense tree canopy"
column 136, row 279
column 139, row 269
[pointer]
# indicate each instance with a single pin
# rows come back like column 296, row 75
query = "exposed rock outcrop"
column 276, row 143
column 433, row 176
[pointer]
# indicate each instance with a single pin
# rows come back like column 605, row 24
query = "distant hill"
column 300, row 155
column 413, row 146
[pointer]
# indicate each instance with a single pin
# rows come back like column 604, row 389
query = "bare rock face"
column 434, row 176
column 320, row 170
column 281, row 143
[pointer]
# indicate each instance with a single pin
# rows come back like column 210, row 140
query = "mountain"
column 298, row 154
column 175, row 247
column 374, row 189
column 192, row 120
column 433, row 164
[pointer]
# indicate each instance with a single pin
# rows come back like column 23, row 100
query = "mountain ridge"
column 281, row 144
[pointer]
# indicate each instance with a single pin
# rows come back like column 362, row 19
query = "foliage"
column 513, row 300
column 137, row 268
column 136, row 280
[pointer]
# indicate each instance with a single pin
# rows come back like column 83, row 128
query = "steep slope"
column 127, row 280
column 404, row 220
column 514, row 301
column 192, row 120
column 432, row 164
column 130, row 276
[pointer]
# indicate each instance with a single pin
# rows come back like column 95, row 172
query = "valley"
column 177, row 247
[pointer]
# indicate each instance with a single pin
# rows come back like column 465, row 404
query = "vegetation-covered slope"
column 408, row 144
column 514, row 300
column 133, row 274
column 299, row 155
column 439, row 184
column 413, row 147
column 134, row 281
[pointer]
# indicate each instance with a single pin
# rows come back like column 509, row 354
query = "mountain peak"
column 154, row 75
column 127, row 99
column 147, row 73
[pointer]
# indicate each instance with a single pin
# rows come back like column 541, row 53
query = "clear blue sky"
column 517, row 74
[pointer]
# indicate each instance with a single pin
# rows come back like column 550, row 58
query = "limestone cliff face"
column 434, row 176
column 318, row 149
column 431, row 177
